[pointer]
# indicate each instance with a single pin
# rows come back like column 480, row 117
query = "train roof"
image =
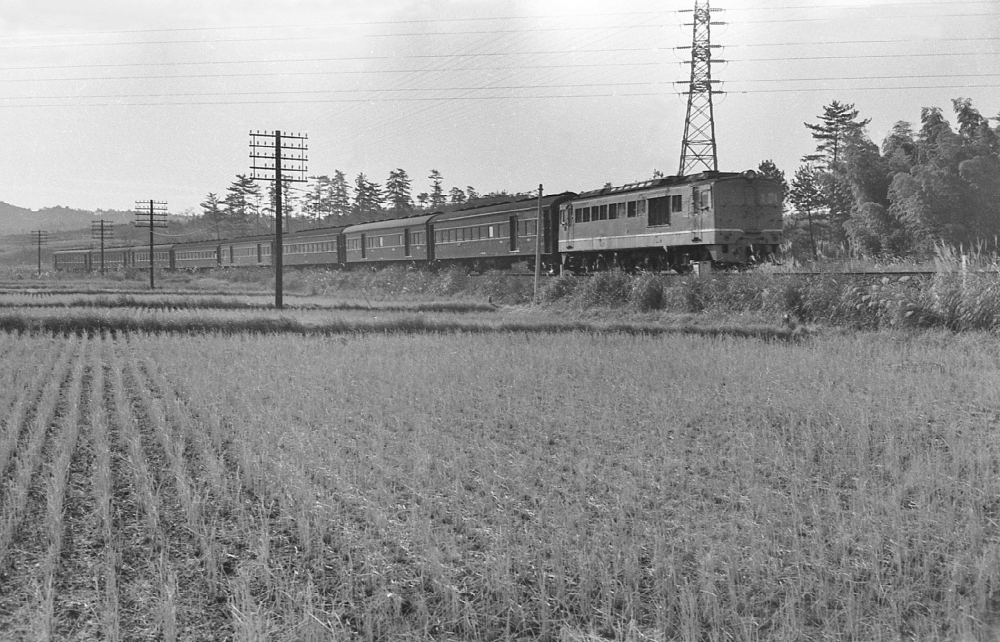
column 513, row 205
column 390, row 223
column 667, row 181
column 317, row 231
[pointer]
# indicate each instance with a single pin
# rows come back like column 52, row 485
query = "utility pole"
column 698, row 146
column 101, row 230
column 538, row 242
column 151, row 214
column 279, row 157
column 40, row 237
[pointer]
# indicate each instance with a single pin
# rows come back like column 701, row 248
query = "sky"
column 106, row 102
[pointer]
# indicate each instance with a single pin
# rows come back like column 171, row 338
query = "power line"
column 868, row 56
column 324, row 37
column 339, row 24
column 465, row 32
column 860, row 17
column 336, row 91
column 487, row 98
column 932, row 3
column 337, row 59
column 864, row 42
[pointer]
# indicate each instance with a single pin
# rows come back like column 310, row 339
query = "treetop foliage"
column 922, row 187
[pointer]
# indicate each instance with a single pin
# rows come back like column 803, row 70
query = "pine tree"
column 807, row 198
column 287, row 203
column 340, row 200
column 437, row 192
column 456, row 196
column 367, row 199
column 397, row 192
column 767, row 169
column 241, row 204
column 212, row 213
column 837, row 123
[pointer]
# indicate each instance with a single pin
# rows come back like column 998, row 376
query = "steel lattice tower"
column 698, row 147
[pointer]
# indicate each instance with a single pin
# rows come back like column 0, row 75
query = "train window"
column 502, row 230
column 491, row 231
column 630, row 208
column 706, row 199
column 578, row 215
column 586, row 215
column 676, row 203
column 604, row 212
column 612, row 211
column 381, row 241
column 659, row 211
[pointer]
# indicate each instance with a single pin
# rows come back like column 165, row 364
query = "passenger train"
column 665, row 223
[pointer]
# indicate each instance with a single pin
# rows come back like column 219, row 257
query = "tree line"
column 247, row 209
column 922, row 187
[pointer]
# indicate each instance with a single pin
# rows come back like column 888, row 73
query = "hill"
column 16, row 220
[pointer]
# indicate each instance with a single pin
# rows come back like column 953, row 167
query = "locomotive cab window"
column 659, row 211
column 676, row 203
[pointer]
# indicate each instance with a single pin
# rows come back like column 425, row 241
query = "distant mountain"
column 19, row 220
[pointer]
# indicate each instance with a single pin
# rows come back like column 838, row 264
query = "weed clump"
column 558, row 288
column 647, row 293
column 606, row 289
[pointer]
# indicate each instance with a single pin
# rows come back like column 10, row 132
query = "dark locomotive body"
column 668, row 223
column 665, row 223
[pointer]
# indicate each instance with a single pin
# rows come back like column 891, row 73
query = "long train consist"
column 664, row 223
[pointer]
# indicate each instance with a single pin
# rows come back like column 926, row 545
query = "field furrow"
column 131, row 586
column 31, row 535
column 19, row 414
column 189, row 605
column 79, row 611
column 252, row 549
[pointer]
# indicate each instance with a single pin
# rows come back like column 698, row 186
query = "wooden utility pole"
column 273, row 155
column 538, row 242
column 151, row 214
column 101, row 230
column 39, row 237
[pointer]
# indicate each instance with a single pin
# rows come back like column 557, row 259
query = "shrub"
column 451, row 281
column 647, row 293
column 610, row 289
column 558, row 288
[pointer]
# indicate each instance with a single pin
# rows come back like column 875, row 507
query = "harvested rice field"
column 498, row 485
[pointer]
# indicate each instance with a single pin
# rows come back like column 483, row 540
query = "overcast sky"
column 105, row 102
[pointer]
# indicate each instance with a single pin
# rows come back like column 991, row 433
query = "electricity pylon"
column 698, row 146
